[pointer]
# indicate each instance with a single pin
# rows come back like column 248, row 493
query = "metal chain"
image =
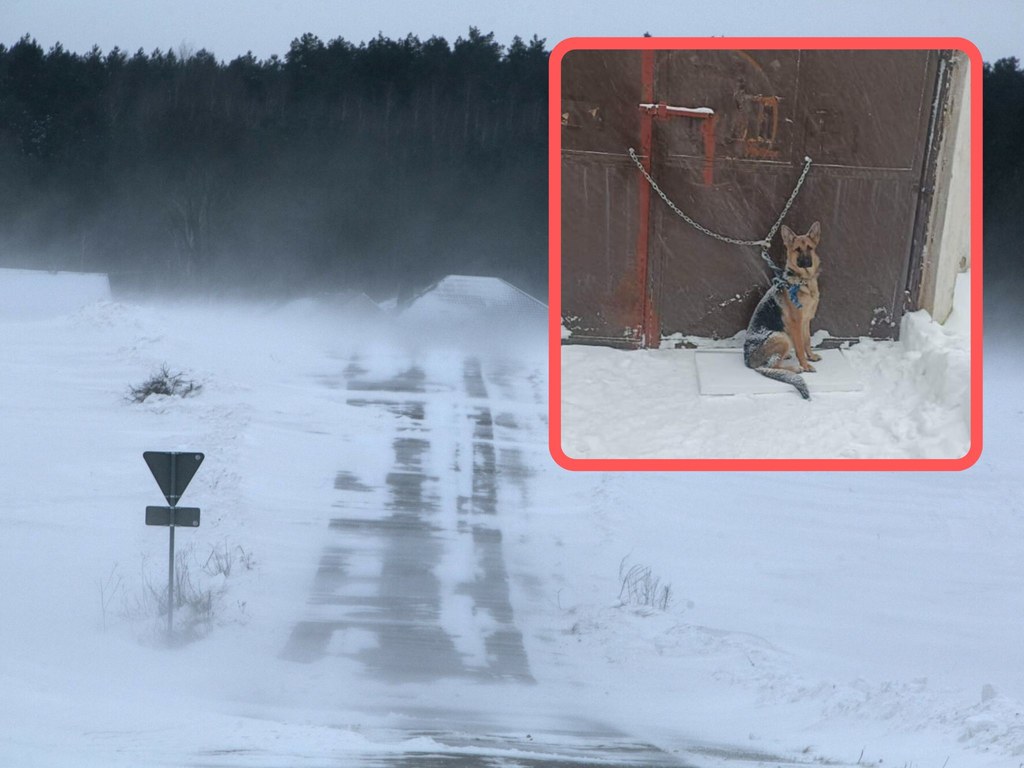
column 763, row 244
column 792, row 197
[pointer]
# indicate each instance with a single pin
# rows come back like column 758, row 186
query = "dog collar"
column 788, row 277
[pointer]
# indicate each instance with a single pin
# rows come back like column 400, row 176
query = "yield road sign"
column 183, row 516
column 173, row 471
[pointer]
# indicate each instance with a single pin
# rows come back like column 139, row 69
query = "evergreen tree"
column 376, row 166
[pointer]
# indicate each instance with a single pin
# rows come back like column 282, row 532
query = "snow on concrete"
column 827, row 618
column 647, row 403
column 723, row 372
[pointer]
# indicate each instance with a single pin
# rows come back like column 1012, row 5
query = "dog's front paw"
column 813, row 356
column 808, row 368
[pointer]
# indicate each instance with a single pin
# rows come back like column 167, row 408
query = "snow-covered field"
column 818, row 619
column 645, row 404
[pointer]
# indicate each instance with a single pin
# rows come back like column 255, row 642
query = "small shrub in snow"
column 642, row 589
column 163, row 382
column 200, row 588
column 222, row 560
column 109, row 588
column 193, row 603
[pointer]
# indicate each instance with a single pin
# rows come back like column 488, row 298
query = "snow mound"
column 35, row 294
column 915, row 402
column 459, row 296
column 474, row 313
column 937, row 360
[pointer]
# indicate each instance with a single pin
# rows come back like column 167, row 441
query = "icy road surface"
column 412, row 586
column 409, row 625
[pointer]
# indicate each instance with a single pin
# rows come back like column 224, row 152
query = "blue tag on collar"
column 794, row 289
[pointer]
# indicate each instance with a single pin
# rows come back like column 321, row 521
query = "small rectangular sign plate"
column 184, row 517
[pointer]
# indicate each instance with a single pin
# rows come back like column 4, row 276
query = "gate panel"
column 862, row 115
column 705, row 287
column 864, row 109
column 600, row 93
column 747, row 90
column 602, row 293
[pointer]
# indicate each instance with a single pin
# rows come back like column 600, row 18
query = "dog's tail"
column 789, row 377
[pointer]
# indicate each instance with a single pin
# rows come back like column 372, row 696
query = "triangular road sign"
column 182, row 466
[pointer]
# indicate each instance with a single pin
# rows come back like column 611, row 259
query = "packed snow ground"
column 869, row 619
column 637, row 404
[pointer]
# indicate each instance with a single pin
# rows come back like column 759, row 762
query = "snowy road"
column 412, row 585
column 416, row 583
column 381, row 575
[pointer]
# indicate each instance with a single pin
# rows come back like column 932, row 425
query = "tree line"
column 1003, row 170
column 378, row 166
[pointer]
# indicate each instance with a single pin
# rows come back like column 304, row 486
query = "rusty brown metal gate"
column 634, row 273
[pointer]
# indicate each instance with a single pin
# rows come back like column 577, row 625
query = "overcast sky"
column 229, row 28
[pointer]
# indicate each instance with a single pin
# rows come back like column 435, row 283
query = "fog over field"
column 336, row 260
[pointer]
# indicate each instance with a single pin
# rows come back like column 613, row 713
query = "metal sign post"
column 170, row 556
column 173, row 472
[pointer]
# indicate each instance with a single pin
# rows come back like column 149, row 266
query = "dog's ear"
column 787, row 236
column 814, row 233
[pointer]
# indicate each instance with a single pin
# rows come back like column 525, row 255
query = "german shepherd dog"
column 781, row 325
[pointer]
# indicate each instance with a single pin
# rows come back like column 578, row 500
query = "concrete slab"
column 722, row 372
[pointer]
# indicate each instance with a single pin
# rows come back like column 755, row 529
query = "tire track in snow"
column 414, row 585
column 416, row 591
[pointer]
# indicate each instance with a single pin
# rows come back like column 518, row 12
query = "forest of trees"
column 1003, row 153
column 380, row 166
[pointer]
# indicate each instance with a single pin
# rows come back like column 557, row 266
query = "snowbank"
column 646, row 403
column 469, row 296
column 817, row 619
column 467, row 307
column 31, row 294
column 472, row 312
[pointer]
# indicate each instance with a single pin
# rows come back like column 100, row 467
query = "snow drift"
column 646, row 403
column 31, row 294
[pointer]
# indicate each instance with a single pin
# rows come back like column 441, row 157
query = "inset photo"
column 765, row 253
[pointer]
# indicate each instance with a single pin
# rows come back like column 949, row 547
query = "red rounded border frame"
column 555, row 250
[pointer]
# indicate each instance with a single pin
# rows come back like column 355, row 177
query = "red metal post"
column 709, row 149
column 650, row 332
column 649, row 112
